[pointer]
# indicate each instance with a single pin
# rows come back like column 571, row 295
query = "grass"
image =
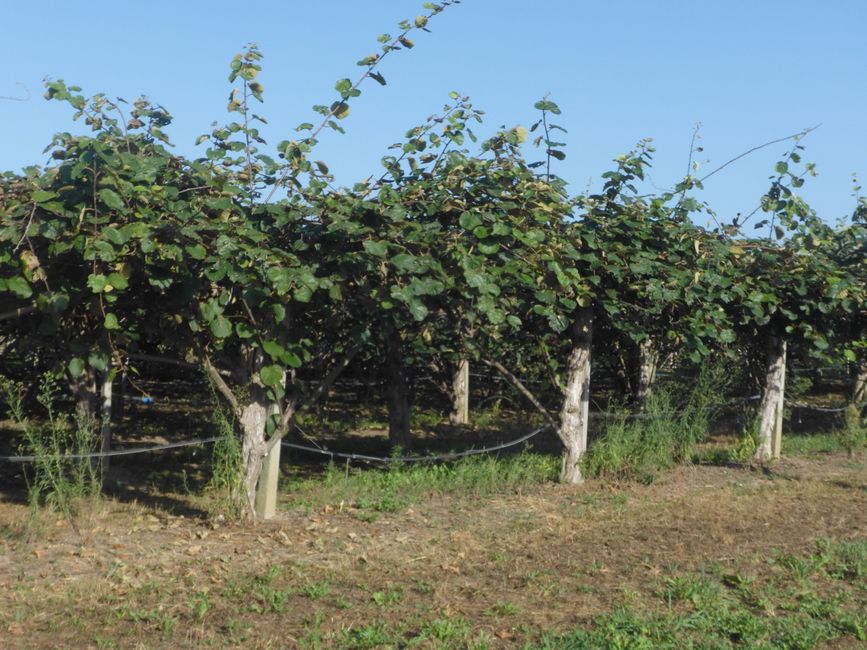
column 487, row 587
column 814, row 598
column 368, row 491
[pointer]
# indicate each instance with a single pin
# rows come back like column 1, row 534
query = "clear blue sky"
column 749, row 71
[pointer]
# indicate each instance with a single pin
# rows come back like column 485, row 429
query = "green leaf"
column 76, row 367
column 117, row 281
column 19, row 287
column 97, row 282
column 244, row 330
column 378, row 248
column 111, row 199
column 111, row 322
column 469, row 220
column 273, row 349
column 221, row 327
column 196, row 251
column 271, row 375
column 407, row 263
column 41, row 196
column 292, row 360
column 98, row 361
column 418, row 309
column 115, row 236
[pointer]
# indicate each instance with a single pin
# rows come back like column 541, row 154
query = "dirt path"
column 553, row 557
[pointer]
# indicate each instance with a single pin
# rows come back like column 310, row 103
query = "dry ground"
column 448, row 571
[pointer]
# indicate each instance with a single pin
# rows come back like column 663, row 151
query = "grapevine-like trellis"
column 255, row 267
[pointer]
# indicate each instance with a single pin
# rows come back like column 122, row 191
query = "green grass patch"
column 810, row 599
column 395, row 488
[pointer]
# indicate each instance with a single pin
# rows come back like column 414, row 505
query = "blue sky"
column 748, row 71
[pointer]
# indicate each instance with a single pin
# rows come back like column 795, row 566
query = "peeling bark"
column 461, row 394
column 254, row 416
column 648, row 364
column 574, row 414
column 771, row 409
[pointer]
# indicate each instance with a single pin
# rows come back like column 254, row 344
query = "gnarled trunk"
column 397, row 392
column 254, row 417
column 461, row 394
column 648, row 364
column 771, row 410
column 574, row 414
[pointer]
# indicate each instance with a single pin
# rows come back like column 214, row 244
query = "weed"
column 377, row 634
column 200, row 604
column 316, row 590
column 639, row 446
column 226, row 465
column 62, row 475
column 368, row 492
column 853, row 435
column 386, row 598
column 504, row 608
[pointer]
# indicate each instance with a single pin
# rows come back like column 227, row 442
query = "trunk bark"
column 254, row 416
column 83, row 389
column 648, row 364
column 397, row 393
column 105, row 418
column 574, row 415
column 771, row 409
column 461, row 394
column 859, row 396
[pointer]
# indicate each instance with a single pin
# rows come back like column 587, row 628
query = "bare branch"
column 293, row 405
column 18, row 99
column 499, row 367
column 331, row 377
column 798, row 135
column 221, row 385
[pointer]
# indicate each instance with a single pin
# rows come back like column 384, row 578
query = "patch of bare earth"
column 550, row 558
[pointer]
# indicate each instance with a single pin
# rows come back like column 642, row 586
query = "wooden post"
column 461, row 394
column 265, row 504
column 781, row 403
column 266, row 492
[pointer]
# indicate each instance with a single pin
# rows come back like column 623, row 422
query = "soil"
column 548, row 557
